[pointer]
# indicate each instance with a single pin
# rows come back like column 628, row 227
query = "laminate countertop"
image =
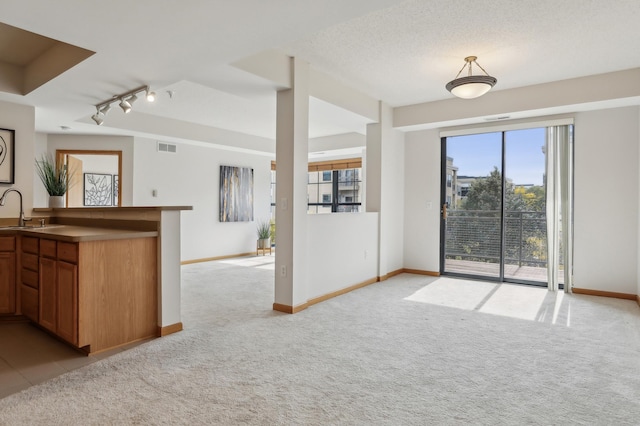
column 77, row 233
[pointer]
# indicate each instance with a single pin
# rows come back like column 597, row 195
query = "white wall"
column 20, row 118
column 393, row 190
column 106, row 164
column 40, row 195
column 422, row 186
column 606, row 200
column 606, row 216
column 191, row 177
column 337, row 246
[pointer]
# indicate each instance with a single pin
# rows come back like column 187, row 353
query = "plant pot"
column 56, row 201
column 264, row 243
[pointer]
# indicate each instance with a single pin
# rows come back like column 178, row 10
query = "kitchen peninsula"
column 96, row 278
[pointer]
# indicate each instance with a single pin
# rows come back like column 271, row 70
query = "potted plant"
column 55, row 177
column 264, row 234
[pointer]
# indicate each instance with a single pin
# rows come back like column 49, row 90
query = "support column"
column 385, row 189
column 292, row 152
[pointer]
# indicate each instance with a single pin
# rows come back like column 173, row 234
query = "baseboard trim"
column 295, row 309
column 10, row 318
column 169, row 329
column 390, row 274
column 341, row 292
column 600, row 293
column 421, row 272
column 289, row 309
column 210, row 259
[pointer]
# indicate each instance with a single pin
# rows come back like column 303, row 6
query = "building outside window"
column 338, row 190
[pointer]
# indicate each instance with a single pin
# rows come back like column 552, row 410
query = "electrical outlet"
column 366, row 253
column 283, row 271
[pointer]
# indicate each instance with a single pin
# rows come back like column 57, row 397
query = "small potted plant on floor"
column 55, row 178
column 264, row 234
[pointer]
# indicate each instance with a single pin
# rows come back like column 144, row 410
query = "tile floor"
column 29, row 356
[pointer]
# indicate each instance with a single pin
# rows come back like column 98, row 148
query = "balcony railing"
column 475, row 235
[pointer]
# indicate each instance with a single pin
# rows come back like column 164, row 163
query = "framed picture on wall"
column 98, row 189
column 116, row 188
column 7, row 155
column 236, row 194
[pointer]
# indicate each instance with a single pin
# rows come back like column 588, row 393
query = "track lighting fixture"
column 126, row 101
column 97, row 117
column 132, row 99
column 126, row 106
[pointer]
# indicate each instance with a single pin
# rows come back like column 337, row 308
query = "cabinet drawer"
column 7, row 243
column 68, row 252
column 29, row 302
column 30, row 261
column 30, row 245
column 48, row 248
column 29, row 278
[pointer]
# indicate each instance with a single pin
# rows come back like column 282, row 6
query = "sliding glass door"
column 493, row 206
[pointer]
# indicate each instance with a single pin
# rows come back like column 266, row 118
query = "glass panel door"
column 525, row 234
column 472, row 198
column 494, row 226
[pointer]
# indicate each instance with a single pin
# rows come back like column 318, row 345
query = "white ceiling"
column 402, row 52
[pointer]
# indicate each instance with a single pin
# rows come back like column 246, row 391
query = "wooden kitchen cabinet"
column 67, row 302
column 47, row 294
column 7, row 275
column 58, row 289
column 97, row 295
column 29, row 277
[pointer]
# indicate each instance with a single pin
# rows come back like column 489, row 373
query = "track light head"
column 151, row 96
column 97, row 118
column 131, row 99
column 126, row 106
column 105, row 109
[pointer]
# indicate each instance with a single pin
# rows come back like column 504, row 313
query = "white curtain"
column 559, row 190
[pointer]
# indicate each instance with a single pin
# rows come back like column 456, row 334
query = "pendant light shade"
column 471, row 86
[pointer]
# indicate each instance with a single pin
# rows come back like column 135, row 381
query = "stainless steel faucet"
column 22, row 219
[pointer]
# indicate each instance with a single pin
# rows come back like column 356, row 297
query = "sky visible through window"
column 476, row 155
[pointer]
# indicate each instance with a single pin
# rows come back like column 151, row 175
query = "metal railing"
column 476, row 234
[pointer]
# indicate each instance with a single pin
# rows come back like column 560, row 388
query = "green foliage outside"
column 473, row 231
column 485, row 194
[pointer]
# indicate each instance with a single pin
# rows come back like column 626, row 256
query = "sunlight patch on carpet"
column 508, row 300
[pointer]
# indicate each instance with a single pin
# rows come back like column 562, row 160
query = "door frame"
column 443, row 199
column 62, row 153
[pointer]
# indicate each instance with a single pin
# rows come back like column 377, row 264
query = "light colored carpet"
column 411, row 350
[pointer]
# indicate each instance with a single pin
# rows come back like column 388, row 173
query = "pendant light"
column 471, row 86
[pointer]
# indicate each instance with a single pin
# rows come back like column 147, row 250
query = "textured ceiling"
column 402, row 52
column 405, row 54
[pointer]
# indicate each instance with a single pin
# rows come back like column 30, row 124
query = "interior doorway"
column 96, row 177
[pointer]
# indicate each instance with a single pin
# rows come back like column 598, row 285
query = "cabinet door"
column 47, row 294
column 67, row 302
column 29, row 302
column 7, row 283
